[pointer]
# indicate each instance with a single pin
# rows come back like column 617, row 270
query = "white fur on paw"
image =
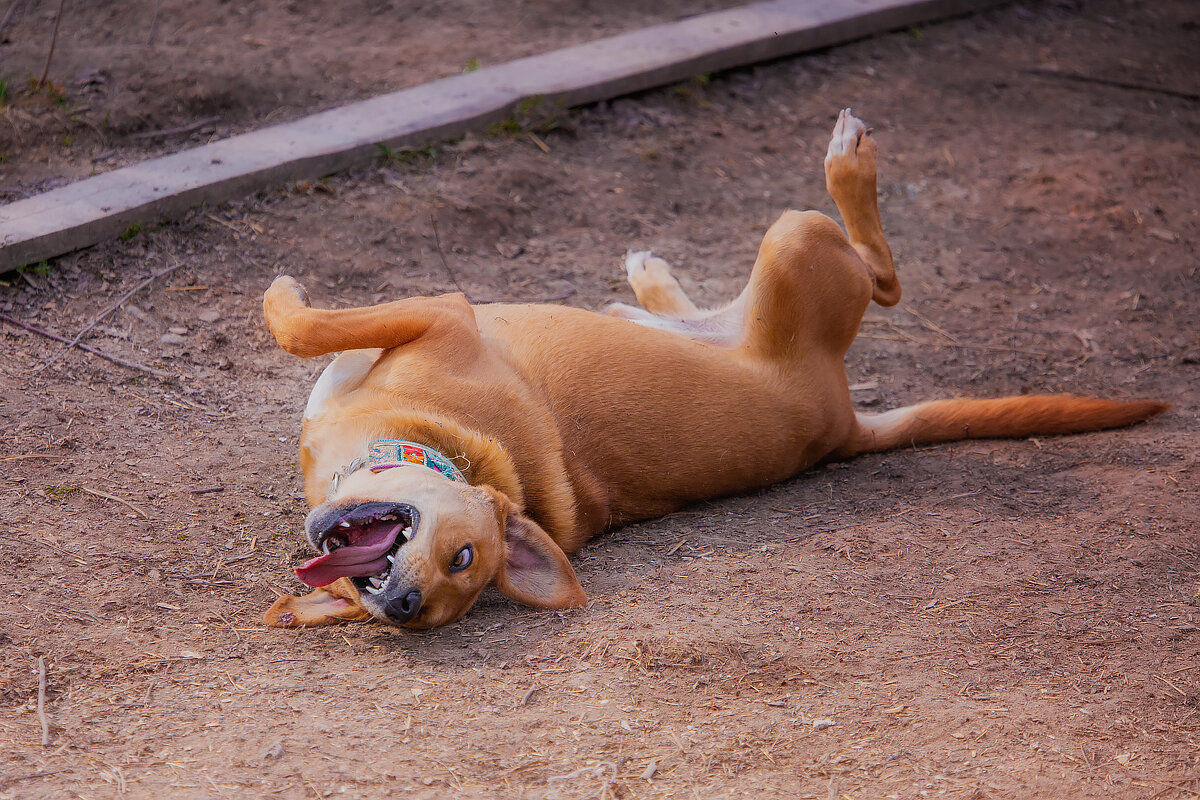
column 846, row 133
column 635, row 261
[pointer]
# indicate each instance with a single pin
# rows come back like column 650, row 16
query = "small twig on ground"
column 53, row 39
column 99, row 354
column 108, row 496
column 933, row 326
column 1173, row 686
column 28, row 540
column 191, row 126
column 207, row 490
column 41, row 702
column 12, row 11
column 596, row 769
column 1078, row 77
column 74, row 342
column 154, row 24
column 17, row 779
column 1001, row 348
column 36, row 284
column 437, row 242
column 229, row 225
column 479, row 301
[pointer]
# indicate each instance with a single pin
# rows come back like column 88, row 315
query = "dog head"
column 412, row 548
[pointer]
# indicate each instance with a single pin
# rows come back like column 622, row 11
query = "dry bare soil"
column 977, row 620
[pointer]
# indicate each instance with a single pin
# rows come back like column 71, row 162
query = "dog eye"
column 463, row 558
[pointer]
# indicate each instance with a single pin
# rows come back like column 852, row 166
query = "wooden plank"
column 88, row 211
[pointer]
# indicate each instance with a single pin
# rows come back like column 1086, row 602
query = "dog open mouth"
column 361, row 544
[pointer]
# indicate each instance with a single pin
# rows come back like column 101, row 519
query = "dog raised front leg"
column 306, row 332
column 656, row 288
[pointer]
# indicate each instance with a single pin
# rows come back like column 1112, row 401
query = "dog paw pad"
column 635, row 261
column 847, row 134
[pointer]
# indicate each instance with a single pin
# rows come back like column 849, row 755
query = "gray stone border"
column 91, row 210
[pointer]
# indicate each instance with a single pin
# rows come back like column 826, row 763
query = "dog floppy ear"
column 337, row 602
column 533, row 569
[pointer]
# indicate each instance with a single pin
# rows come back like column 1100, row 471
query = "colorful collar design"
column 388, row 453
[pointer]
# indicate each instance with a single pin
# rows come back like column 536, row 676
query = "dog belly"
column 665, row 458
column 660, row 420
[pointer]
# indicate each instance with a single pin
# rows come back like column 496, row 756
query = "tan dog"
column 450, row 447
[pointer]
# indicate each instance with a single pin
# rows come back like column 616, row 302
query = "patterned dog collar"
column 388, row 453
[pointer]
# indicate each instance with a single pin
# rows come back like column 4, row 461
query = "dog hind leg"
column 850, row 180
column 812, row 282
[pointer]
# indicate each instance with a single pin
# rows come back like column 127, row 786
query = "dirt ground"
column 977, row 620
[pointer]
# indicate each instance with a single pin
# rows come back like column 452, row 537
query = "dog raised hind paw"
column 850, row 168
column 848, row 133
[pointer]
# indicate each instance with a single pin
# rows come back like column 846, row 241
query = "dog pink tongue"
column 367, row 556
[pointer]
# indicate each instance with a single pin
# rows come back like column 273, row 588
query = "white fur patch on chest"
column 342, row 375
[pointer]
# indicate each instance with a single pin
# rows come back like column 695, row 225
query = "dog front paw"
column 647, row 272
column 655, row 286
column 286, row 310
column 286, row 290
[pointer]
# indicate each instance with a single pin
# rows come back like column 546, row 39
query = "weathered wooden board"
column 88, row 211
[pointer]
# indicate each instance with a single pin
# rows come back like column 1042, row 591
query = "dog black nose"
column 405, row 607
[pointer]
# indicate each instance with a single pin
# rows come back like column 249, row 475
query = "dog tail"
column 1001, row 418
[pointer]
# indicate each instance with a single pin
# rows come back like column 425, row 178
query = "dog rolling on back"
column 451, row 447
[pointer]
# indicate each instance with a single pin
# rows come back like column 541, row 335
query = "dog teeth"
column 373, row 590
column 374, row 581
column 325, row 547
column 388, row 517
column 407, row 533
column 344, row 524
column 391, row 559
